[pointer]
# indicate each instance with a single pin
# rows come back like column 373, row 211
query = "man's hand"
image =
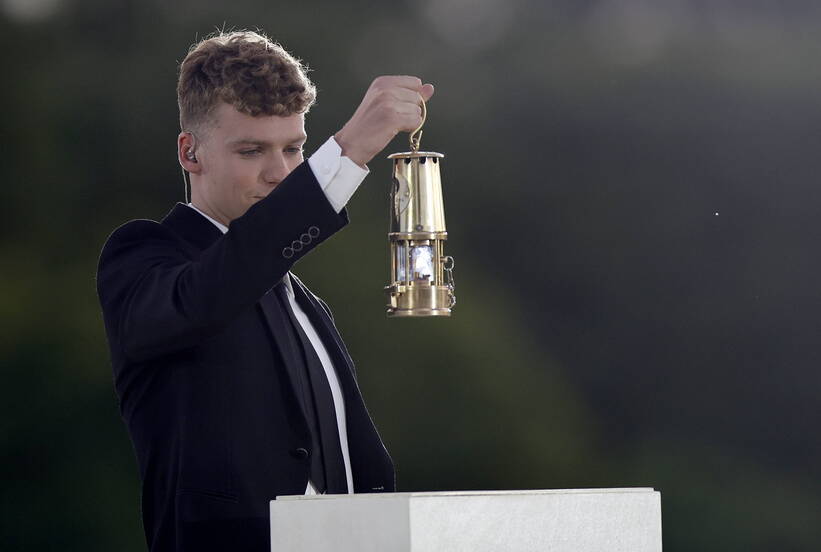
column 391, row 105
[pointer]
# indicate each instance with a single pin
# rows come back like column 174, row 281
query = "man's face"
column 243, row 158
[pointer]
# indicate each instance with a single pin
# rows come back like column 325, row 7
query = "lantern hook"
column 416, row 136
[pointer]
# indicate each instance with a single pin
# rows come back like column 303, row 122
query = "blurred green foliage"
column 631, row 192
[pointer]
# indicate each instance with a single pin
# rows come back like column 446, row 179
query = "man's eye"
column 293, row 150
column 250, row 151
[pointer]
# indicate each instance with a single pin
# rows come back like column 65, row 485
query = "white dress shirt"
column 339, row 177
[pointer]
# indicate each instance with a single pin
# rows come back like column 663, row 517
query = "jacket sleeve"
column 157, row 300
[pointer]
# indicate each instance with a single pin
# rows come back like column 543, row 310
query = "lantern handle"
column 416, row 136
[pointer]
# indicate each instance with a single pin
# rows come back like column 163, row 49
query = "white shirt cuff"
column 338, row 176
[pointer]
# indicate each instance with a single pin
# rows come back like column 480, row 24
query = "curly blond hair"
column 246, row 70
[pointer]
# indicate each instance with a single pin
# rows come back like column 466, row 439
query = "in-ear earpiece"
column 190, row 156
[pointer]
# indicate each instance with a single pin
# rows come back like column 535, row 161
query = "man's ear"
column 187, row 152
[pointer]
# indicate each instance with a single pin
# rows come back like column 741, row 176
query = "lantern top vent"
column 416, row 154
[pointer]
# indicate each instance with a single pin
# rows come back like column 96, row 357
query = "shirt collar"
column 289, row 288
column 218, row 224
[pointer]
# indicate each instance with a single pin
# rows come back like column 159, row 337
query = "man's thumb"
column 426, row 92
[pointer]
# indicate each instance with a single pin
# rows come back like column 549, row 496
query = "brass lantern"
column 421, row 275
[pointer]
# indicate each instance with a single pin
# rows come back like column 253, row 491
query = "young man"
column 233, row 382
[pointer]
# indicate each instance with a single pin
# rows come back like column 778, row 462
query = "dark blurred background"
column 632, row 198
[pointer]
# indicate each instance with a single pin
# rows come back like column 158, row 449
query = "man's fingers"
column 405, row 95
column 415, row 84
column 410, row 117
column 407, row 82
column 393, row 103
column 426, row 91
column 401, row 81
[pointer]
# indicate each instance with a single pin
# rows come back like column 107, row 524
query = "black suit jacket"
column 205, row 389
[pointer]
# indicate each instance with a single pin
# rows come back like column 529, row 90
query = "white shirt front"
column 339, row 177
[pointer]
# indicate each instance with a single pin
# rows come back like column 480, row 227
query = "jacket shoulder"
column 133, row 246
column 135, row 229
column 134, row 233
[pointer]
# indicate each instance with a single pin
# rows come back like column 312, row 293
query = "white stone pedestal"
column 574, row 520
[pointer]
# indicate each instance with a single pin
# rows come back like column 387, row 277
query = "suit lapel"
column 192, row 226
column 328, row 333
column 276, row 319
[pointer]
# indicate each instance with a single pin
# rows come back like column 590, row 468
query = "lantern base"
column 410, row 313
column 419, row 300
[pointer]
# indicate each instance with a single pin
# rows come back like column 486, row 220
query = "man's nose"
column 276, row 169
